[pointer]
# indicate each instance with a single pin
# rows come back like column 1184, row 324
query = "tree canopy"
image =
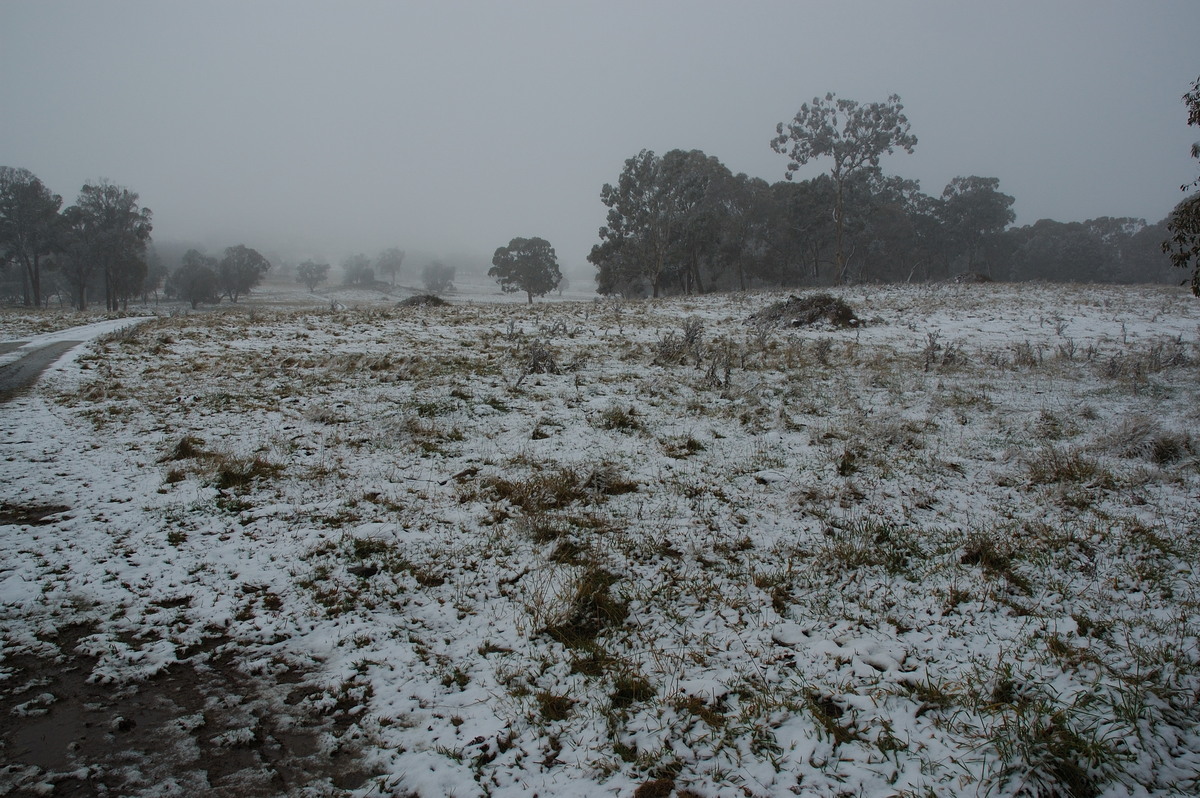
column 437, row 277
column 389, row 262
column 195, row 281
column 29, row 225
column 665, row 221
column 356, row 270
column 107, row 231
column 526, row 264
column 853, row 136
column 973, row 213
column 1184, row 222
column 312, row 274
column 240, row 270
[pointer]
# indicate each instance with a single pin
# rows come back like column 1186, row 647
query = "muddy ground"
column 198, row 728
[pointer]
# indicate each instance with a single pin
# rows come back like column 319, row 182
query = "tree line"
column 100, row 249
column 677, row 223
column 682, row 222
column 96, row 247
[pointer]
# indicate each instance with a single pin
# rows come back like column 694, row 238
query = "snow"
column 85, row 332
column 848, row 567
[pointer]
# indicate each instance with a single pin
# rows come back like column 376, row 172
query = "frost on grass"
column 637, row 547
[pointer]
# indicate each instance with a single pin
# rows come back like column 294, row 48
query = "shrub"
column 1140, row 436
column 672, row 349
column 1056, row 465
column 536, row 358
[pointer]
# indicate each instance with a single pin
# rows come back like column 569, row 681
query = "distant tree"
column 1057, row 251
column 973, row 214
column 195, row 280
column 107, row 232
column 526, row 264
column 1142, row 258
column 357, row 270
column 312, row 274
column 663, row 223
column 853, row 136
column 29, row 226
column 697, row 187
column 437, row 277
column 156, row 274
column 634, row 244
column 891, row 228
column 1184, row 224
column 799, row 231
column 389, row 262
column 240, row 270
column 743, row 228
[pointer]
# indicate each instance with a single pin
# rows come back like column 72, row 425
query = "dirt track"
column 20, row 374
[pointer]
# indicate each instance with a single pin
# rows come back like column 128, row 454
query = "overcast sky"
column 323, row 128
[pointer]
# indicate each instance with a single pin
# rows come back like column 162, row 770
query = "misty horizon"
column 318, row 131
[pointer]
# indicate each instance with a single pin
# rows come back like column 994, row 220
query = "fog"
column 319, row 129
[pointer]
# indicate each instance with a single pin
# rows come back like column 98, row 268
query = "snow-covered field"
column 621, row 548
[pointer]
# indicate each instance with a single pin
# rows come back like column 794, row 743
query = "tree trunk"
column 25, row 287
column 33, row 282
column 840, row 226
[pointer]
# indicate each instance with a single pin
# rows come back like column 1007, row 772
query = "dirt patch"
column 30, row 514
column 201, row 727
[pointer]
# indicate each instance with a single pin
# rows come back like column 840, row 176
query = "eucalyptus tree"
column 526, row 264
column 853, row 136
column 356, row 270
column 312, row 274
column 800, row 233
column 637, row 236
column 745, row 215
column 973, row 213
column 695, row 188
column 389, row 262
column 107, row 232
column 438, row 277
column 1184, row 223
column 30, row 226
column 196, row 279
column 240, row 270
column 664, row 222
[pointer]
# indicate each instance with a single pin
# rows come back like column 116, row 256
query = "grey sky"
column 322, row 128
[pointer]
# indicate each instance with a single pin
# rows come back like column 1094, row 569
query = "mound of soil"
column 805, row 311
column 422, row 301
